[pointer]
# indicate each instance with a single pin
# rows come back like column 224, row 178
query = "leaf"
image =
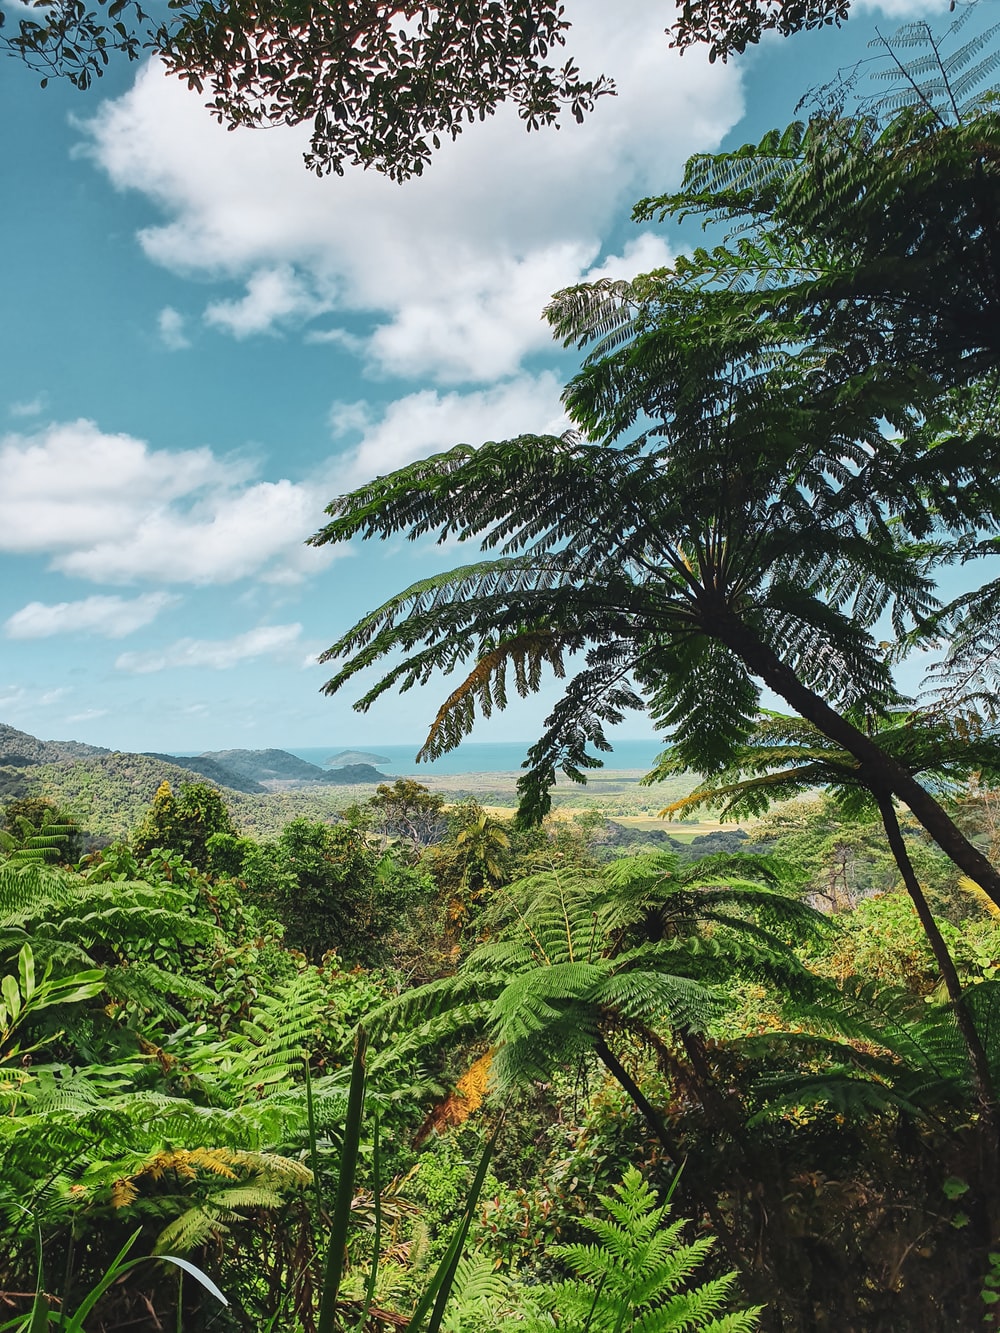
column 195, row 1272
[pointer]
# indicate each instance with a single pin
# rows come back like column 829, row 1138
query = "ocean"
column 475, row 756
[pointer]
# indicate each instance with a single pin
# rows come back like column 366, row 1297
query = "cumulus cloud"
column 429, row 421
column 112, row 617
column 110, row 508
column 274, row 296
column 170, row 323
column 449, row 272
column 640, row 255
column 218, row 654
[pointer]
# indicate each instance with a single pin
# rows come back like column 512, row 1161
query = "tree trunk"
column 981, row 1073
column 881, row 768
column 656, row 1123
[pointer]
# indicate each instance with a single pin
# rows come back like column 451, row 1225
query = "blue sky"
column 203, row 344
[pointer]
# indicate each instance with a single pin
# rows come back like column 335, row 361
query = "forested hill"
column 19, row 750
column 108, row 791
column 207, row 768
column 280, row 767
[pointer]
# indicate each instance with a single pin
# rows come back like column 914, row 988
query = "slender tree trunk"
column 981, row 1073
column 882, row 769
column 656, row 1123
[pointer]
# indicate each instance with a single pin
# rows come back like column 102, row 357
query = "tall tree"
column 746, row 544
column 183, row 823
column 638, row 955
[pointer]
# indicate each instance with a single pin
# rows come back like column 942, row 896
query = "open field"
column 616, row 793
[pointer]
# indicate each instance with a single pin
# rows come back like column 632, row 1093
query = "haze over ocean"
column 476, row 756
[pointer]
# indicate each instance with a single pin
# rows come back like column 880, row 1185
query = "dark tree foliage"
column 728, row 27
column 328, row 888
column 875, row 234
column 380, row 83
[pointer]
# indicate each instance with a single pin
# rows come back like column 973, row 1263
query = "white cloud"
column 449, row 271
column 111, row 509
column 274, row 296
column 88, row 715
column 429, row 421
column 54, row 696
column 641, row 255
column 218, row 654
column 170, row 323
column 112, row 617
column 28, row 407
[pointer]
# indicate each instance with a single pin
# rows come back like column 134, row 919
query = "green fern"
column 637, row 1275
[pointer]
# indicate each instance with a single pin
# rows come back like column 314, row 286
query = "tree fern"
column 575, row 965
column 788, row 756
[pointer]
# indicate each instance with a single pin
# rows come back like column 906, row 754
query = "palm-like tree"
column 745, row 539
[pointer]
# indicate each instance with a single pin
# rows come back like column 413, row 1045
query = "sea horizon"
column 400, row 760
column 475, row 756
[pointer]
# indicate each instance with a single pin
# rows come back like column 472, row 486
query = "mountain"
column 279, row 768
column 347, row 758
column 208, row 768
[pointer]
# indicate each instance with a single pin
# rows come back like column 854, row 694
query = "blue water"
column 476, row 756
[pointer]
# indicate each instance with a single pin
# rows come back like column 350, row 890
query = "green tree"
column 183, row 823
column 635, row 957
column 330, row 889
column 409, row 811
column 742, row 540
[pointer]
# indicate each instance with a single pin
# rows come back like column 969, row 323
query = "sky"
column 203, row 344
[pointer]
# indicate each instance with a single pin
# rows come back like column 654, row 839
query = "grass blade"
column 376, row 1245
column 341, row 1220
column 438, row 1291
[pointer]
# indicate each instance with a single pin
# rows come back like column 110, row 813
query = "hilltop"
column 277, row 768
column 19, row 750
column 350, row 758
column 107, row 791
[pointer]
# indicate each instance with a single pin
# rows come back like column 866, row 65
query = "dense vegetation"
column 177, row 1032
